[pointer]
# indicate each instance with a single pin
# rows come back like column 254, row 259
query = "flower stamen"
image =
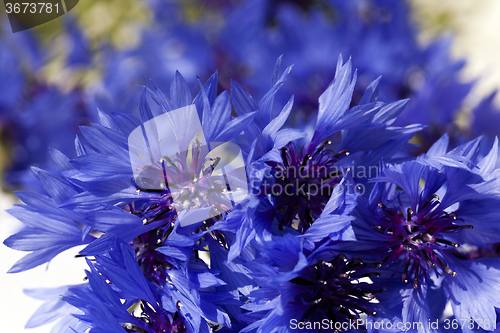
column 418, row 236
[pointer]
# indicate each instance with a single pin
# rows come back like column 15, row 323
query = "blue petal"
column 37, row 258
column 474, row 290
column 416, row 307
column 179, row 92
column 407, row 176
column 242, row 101
column 210, row 90
column 264, row 114
column 234, row 127
column 334, row 102
column 371, row 92
column 274, row 125
column 219, row 115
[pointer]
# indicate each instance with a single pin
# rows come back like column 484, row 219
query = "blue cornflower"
column 302, row 289
column 417, row 217
column 106, row 173
column 292, row 182
column 165, row 206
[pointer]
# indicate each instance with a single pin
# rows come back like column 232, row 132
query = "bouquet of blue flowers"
column 332, row 203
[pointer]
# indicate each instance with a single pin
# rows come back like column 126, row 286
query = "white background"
column 15, row 307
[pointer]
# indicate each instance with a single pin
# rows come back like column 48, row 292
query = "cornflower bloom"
column 128, row 185
column 293, row 180
column 419, row 214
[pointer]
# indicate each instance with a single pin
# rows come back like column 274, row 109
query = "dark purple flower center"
column 304, row 182
column 418, row 238
column 152, row 262
column 332, row 290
